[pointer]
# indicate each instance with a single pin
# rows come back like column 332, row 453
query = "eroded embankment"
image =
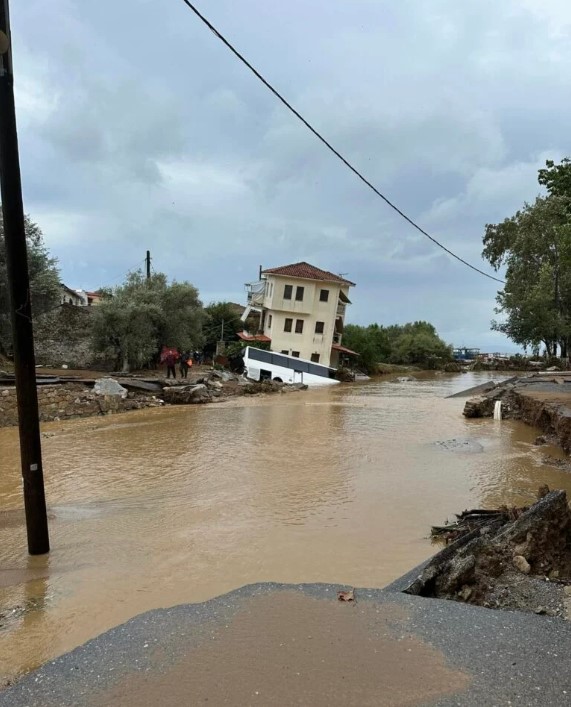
column 517, row 559
column 535, row 400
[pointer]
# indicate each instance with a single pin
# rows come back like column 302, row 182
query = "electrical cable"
column 320, row 137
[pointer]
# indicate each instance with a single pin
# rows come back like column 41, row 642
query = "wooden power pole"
column 19, row 289
column 148, row 264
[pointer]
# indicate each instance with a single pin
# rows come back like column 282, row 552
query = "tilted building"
column 301, row 312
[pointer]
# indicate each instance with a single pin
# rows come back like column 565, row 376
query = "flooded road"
column 164, row 506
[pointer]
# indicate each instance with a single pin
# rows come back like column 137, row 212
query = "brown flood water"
column 159, row 507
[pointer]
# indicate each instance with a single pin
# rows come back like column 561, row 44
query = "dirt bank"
column 519, row 561
column 538, row 400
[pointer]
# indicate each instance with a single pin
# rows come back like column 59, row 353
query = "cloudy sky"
column 138, row 129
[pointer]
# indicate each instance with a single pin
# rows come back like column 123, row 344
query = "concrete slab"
column 271, row 644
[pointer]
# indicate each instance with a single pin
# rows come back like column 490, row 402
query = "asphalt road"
column 269, row 644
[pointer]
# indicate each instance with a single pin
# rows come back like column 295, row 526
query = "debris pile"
column 219, row 385
column 509, row 558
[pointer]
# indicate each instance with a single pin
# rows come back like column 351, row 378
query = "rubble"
column 109, row 386
column 509, row 559
column 74, row 397
column 212, row 389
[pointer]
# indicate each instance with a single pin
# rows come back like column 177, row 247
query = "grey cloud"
column 144, row 132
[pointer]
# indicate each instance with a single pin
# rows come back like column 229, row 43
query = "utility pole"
column 220, row 345
column 21, row 312
column 148, row 263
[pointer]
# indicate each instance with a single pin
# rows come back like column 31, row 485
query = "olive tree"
column 44, row 280
column 137, row 318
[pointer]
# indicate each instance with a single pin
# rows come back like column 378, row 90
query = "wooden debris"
column 478, row 518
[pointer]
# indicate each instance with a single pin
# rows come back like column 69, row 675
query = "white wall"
column 310, row 310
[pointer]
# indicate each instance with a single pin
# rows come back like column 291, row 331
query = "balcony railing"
column 255, row 298
column 337, row 338
column 256, row 292
column 341, row 309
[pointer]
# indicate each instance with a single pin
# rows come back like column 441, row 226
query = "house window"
column 299, row 294
column 285, row 351
column 270, row 321
column 288, row 289
column 324, row 296
column 319, row 327
column 315, row 358
column 288, row 324
column 298, row 326
column 295, row 354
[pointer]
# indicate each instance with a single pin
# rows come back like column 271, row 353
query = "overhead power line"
column 329, row 146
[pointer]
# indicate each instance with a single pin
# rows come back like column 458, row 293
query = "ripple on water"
column 164, row 506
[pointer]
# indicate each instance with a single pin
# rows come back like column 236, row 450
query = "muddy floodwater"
column 163, row 506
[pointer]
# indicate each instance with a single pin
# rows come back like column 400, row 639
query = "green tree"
column 556, row 178
column 415, row 343
column 221, row 322
column 534, row 245
column 44, row 280
column 370, row 342
column 419, row 344
column 141, row 316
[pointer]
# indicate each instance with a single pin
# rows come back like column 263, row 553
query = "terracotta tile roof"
column 257, row 337
column 343, row 349
column 307, row 272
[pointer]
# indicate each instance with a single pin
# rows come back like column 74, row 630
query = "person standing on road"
column 170, row 360
column 185, row 364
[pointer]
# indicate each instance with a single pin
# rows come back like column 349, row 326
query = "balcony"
column 337, row 338
column 341, row 307
column 255, row 299
column 256, row 292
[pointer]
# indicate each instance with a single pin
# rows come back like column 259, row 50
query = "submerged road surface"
column 287, row 645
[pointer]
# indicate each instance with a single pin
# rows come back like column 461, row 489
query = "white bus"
column 267, row 365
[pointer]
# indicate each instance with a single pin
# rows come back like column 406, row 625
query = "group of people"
column 170, row 357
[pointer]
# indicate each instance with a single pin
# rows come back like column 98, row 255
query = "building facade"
column 301, row 311
column 69, row 296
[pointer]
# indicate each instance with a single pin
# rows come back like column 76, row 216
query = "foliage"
column 370, row 342
column 235, row 348
column 143, row 315
column 44, row 280
column 409, row 344
column 534, row 246
column 221, row 322
column 557, row 177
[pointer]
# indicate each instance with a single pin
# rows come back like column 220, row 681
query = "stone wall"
column 70, row 400
column 63, row 336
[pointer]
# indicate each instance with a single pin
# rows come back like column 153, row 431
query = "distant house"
column 89, row 298
column 301, row 312
column 94, row 298
column 69, row 296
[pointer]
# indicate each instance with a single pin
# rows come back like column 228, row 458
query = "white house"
column 301, row 312
column 69, row 296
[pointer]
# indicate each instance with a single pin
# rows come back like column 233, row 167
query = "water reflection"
column 159, row 507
